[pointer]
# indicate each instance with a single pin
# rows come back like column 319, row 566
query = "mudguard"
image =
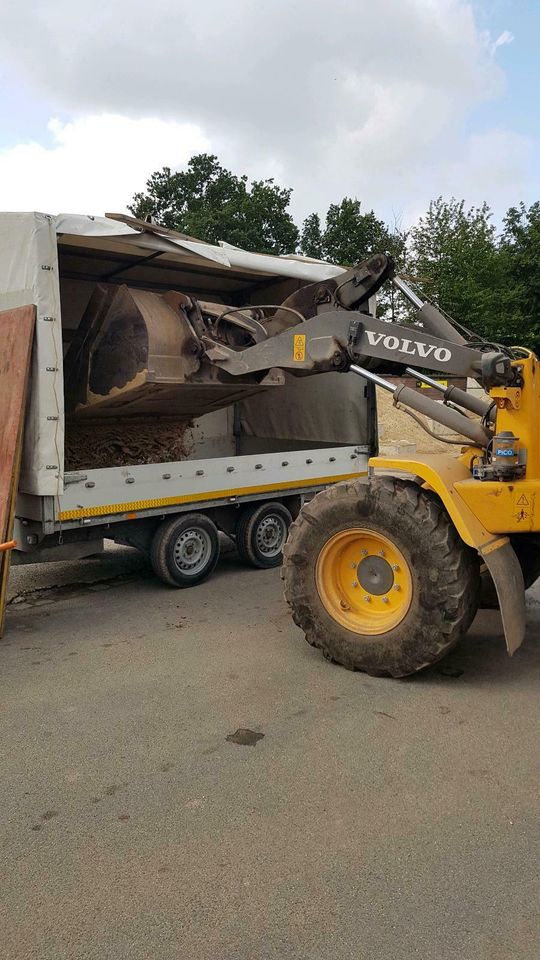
column 441, row 473
column 506, row 573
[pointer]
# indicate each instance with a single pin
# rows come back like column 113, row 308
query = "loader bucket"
column 139, row 353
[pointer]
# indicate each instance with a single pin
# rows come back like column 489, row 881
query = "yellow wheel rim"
column 364, row 581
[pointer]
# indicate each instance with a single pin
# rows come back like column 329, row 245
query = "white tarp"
column 81, row 226
column 225, row 253
column 29, row 274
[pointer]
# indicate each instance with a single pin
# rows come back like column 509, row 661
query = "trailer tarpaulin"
column 29, row 274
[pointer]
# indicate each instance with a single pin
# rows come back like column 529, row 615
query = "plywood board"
column 16, row 336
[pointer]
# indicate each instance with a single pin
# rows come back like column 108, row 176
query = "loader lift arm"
column 344, row 339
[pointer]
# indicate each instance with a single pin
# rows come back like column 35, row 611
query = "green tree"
column 349, row 236
column 209, row 202
column 311, row 241
column 519, row 259
column 456, row 261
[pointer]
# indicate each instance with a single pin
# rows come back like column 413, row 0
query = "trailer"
column 244, row 469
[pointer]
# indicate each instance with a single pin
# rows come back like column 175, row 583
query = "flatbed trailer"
column 276, row 448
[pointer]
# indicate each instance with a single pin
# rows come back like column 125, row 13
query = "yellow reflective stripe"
column 494, row 545
column 109, row 508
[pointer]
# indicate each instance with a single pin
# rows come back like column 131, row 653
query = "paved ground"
column 373, row 820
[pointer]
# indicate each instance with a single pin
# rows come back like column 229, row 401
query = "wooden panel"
column 16, row 335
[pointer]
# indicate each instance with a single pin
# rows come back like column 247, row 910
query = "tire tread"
column 449, row 594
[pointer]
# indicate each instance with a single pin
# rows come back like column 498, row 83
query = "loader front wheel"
column 378, row 578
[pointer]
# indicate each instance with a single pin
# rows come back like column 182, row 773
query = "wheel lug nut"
column 367, row 599
column 354, row 583
column 397, row 586
column 385, row 600
column 381, row 553
column 353, row 566
column 395, row 566
column 364, row 553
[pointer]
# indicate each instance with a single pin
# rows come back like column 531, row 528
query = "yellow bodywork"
column 486, row 512
column 449, row 478
column 445, row 476
column 512, row 507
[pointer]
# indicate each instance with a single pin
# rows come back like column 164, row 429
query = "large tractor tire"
column 377, row 576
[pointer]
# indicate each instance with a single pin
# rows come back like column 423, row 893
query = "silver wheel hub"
column 192, row 551
column 270, row 535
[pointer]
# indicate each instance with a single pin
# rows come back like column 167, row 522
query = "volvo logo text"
column 414, row 348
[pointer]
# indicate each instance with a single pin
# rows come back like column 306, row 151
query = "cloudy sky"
column 394, row 101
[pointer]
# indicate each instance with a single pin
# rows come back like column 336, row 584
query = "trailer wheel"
column 377, row 576
column 261, row 533
column 185, row 550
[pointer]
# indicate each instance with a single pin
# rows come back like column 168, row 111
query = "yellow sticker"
column 426, row 386
column 299, row 350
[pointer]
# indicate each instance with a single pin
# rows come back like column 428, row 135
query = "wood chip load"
column 121, row 443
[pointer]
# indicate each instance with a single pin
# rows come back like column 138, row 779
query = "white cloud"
column 95, row 163
column 502, row 40
column 495, row 165
column 500, row 158
column 331, row 97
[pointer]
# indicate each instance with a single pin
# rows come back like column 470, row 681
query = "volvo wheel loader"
column 386, row 575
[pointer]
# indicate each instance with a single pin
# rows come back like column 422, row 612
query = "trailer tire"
column 414, row 588
column 261, row 533
column 185, row 550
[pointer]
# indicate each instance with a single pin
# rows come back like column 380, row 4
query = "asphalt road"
column 371, row 819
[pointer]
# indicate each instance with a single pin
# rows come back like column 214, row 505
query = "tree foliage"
column 453, row 256
column 209, row 202
column 311, row 241
column 349, row 235
column 519, row 255
column 489, row 283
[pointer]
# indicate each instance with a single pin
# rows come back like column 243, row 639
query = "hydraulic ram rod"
column 432, row 319
column 455, row 421
column 483, row 408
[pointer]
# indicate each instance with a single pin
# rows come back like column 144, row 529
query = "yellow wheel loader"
column 385, row 574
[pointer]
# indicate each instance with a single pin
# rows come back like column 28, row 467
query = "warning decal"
column 524, row 509
column 299, row 349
